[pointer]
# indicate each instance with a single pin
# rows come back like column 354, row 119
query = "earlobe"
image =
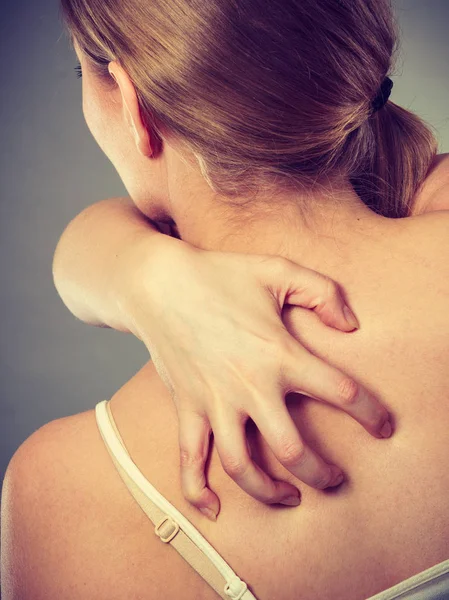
column 131, row 109
column 111, row 73
column 138, row 129
column 143, row 145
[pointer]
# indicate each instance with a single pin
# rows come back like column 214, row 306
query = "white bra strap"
column 170, row 525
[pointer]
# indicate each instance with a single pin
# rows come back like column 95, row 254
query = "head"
column 255, row 100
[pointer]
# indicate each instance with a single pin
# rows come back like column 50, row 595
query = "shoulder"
column 417, row 279
column 432, row 229
column 30, row 493
column 46, row 453
column 39, row 461
column 433, row 194
column 66, row 511
column 50, row 491
column 424, row 242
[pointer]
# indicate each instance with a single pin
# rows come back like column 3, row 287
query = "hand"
column 212, row 324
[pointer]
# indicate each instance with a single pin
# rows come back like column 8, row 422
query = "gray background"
column 51, row 364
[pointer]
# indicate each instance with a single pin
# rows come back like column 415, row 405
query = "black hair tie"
column 383, row 95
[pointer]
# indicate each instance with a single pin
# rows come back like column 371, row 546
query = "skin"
column 163, row 183
column 387, row 522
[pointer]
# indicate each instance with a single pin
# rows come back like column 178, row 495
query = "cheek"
column 105, row 121
column 144, row 179
column 96, row 118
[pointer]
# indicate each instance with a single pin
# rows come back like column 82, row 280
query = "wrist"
column 138, row 277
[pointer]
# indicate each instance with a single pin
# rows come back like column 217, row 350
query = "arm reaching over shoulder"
column 212, row 324
column 88, row 269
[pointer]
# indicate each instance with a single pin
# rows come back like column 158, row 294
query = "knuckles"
column 291, row 453
column 234, row 466
column 189, row 459
column 192, row 495
column 348, row 391
column 332, row 291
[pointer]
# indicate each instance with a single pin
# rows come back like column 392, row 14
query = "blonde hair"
column 267, row 94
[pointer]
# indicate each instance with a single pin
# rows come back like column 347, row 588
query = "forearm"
column 93, row 256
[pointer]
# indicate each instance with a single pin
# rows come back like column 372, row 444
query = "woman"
column 196, row 82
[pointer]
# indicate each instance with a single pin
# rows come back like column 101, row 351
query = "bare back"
column 388, row 521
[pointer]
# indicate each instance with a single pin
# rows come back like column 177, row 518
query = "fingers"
column 299, row 286
column 306, row 373
column 230, row 439
column 280, row 433
column 194, row 432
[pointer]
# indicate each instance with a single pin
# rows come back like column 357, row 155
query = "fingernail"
column 294, row 500
column 338, row 477
column 207, row 512
column 385, row 432
column 350, row 317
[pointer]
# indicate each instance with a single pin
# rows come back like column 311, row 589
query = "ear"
column 131, row 110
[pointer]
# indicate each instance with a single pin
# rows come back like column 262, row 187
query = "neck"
column 315, row 230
